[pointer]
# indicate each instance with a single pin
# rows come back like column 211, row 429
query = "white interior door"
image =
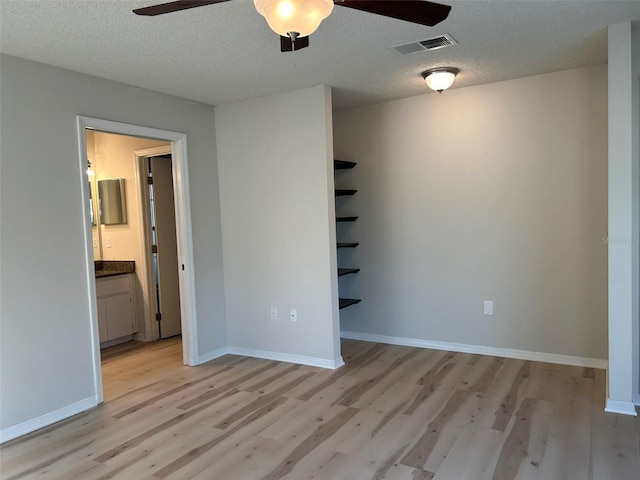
column 167, row 250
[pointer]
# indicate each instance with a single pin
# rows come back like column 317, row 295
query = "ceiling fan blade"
column 415, row 11
column 163, row 8
column 286, row 45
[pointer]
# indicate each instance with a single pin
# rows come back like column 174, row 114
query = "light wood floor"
column 391, row 413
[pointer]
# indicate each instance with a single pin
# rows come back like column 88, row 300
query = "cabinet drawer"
column 113, row 285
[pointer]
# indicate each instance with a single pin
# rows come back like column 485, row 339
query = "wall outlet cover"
column 488, row 307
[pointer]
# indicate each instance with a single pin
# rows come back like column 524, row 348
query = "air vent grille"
column 433, row 43
column 437, row 42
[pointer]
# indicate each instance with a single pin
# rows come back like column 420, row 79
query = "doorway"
column 184, row 243
column 156, row 191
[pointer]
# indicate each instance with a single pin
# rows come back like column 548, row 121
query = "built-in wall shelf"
column 347, row 302
column 347, row 271
column 342, row 165
column 342, row 192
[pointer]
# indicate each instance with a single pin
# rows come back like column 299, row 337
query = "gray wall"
column 44, row 313
column 635, row 214
column 496, row 192
column 278, row 223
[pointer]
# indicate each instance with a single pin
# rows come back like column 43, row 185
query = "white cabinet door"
column 116, row 311
column 119, row 315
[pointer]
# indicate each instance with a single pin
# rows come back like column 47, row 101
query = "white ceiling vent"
column 432, row 43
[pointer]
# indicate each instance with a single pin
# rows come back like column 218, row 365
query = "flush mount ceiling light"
column 440, row 79
column 294, row 18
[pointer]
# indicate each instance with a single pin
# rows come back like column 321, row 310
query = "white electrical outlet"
column 274, row 313
column 293, row 315
column 108, row 242
column 488, row 307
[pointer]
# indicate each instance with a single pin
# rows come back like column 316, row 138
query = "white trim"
column 281, row 357
column 635, row 397
column 184, row 239
column 618, row 406
column 464, row 348
column 116, row 341
column 139, row 337
column 183, row 230
column 153, row 151
column 217, row 353
column 47, row 419
column 287, row 357
column 89, row 265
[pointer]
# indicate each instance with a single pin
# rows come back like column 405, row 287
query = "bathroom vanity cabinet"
column 116, row 309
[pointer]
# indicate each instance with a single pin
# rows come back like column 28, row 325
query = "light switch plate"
column 488, row 307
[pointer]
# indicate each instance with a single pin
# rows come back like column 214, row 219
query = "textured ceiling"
column 225, row 53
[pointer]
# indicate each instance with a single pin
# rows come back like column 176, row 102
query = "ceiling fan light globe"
column 285, row 9
column 440, row 80
column 301, row 16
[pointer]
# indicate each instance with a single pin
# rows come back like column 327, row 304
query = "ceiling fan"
column 295, row 20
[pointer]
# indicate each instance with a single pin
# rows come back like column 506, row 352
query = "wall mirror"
column 111, row 199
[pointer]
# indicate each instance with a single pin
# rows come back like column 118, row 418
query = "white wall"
column 45, row 342
column 635, row 214
column 496, row 192
column 114, row 158
column 278, row 224
column 623, row 218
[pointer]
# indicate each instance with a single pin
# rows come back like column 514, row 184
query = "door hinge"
column 149, row 180
column 158, row 317
column 154, row 248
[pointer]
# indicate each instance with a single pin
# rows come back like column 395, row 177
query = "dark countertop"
column 108, row 268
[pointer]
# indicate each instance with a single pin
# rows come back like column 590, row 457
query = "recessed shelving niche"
column 343, row 192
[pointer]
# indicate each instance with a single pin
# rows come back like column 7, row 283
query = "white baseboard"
column 139, row 337
column 464, row 348
column 217, row 353
column 636, row 399
column 47, row 419
column 288, row 357
column 116, row 341
column 267, row 355
column 617, row 406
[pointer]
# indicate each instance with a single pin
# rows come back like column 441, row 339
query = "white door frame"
column 151, row 328
column 183, row 233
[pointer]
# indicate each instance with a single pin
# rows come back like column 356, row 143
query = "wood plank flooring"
column 391, row 413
